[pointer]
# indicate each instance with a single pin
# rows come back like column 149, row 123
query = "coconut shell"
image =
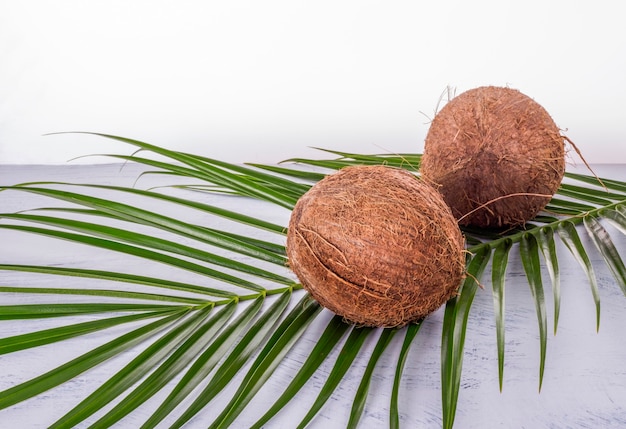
column 376, row 245
column 496, row 156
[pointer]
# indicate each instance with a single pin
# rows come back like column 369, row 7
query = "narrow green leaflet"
column 603, row 242
column 175, row 363
column 394, row 413
column 147, row 241
column 103, row 292
column 282, row 338
column 333, row 333
column 118, row 277
column 348, row 353
column 311, row 176
column 134, row 214
column 139, row 252
column 184, row 202
column 205, row 363
column 593, row 197
column 290, row 187
column 568, row 206
column 135, row 370
column 529, row 252
column 545, row 238
column 53, row 335
column 609, row 183
column 38, row 311
column 215, row 174
column 84, row 362
column 453, row 335
column 361, row 395
column 268, row 360
column 498, row 275
column 407, row 160
column 330, row 164
column 569, row 235
column 616, row 218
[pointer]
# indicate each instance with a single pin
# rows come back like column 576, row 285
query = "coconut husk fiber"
column 496, row 156
column 376, row 245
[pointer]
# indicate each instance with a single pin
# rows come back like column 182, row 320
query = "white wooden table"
column 585, row 375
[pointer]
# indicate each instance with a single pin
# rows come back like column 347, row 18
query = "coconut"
column 496, row 155
column 376, row 245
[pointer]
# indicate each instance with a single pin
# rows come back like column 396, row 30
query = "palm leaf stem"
column 574, row 220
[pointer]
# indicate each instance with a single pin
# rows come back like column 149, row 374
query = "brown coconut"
column 496, row 155
column 376, row 245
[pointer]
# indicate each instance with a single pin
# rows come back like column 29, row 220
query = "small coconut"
column 496, row 155
column 376, row 245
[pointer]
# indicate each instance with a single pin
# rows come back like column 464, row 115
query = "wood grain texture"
column 585, row 375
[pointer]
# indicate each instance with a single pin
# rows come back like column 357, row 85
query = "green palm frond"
column 225, row 326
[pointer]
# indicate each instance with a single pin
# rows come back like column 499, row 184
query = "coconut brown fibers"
column 376, row 245
column 496, row 155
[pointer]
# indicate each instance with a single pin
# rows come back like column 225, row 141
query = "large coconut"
column 376, row 245
column 496, row 155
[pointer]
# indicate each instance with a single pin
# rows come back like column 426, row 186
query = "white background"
column 266, row 80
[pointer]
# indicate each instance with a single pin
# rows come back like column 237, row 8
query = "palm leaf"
column 330, row 337
column 360, row 398
column 111, row 276
column 138, row 367
column 548, row 248
column 453, row 335
column 189, row 329
column 137, row 241
column 279, row 344
column 214, row 353
column 498, row 274
column 394, row 414
column 529, row 251
column 183, row 355
column 570, row 237
column 84, row 362
column 48, row 336
column 603, row 242
column 348, row 353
